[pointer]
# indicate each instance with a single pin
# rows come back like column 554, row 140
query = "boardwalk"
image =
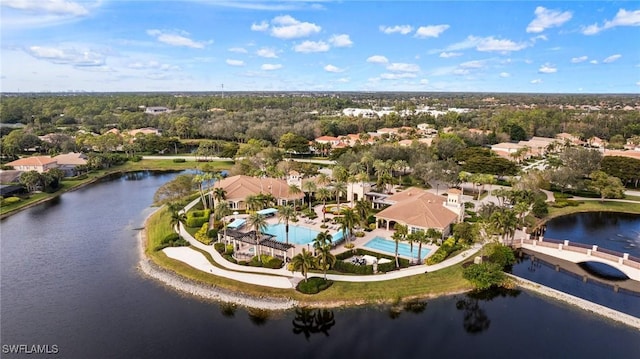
column 580, row 253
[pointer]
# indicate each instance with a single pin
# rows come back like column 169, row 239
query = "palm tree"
column 363, row 208
column 322, row 239
column 286, row 213
column 219, row 194
column 404, row 231
column 431, row 235
column 259, row 224
column 303, row 262
column 323, row 179
column 348, row 221
column 176, row 217
column 295, row 190
column 223, row 210
column 253, row 203
column 325, row 258
column 309, row 187
column 401, row 166
column 338, row 189
column 323, row 195
column 397, row 237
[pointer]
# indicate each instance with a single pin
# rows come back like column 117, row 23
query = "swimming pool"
column 384, row 245
column 297, row 235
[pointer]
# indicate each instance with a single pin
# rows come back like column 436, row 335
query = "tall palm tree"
column 322, row 239
column 259, row 225
column 219, row 194
column 325, row 259
column 303, row 262
column 404, row 231
column 176, row 217
column 295, row 190
column 363, row 208
column 397, row 237
column 323, row 179
column 253, row 203
column 431, row 235
column 338, row 189
column 348, row 221
column 400, row 166
column 286, row 213
column 309, row 187
column 223, row 210
column 323, row 195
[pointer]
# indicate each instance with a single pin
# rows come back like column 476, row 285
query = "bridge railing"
column 608, row 256
column 609, row 251
column 635, row 259
column 576, row 249
column 631, row 263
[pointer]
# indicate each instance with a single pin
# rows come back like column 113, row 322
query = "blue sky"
column 198, row 45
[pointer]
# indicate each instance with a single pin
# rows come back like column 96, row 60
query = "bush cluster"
column 197, row 218
column 179, row 160
column 313, row 285
column 566, row 203
column 347, row 267
column 219, row 247
column 202, row 236
column 267, row 262
column 447, row 247
column 172, row 240
column 9, row 200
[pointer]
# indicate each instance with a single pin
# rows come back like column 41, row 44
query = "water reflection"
column 135, row 176
column 313, row 321
column 259, row 317
column 228, row 309
column 475, row 319
column 414, row 306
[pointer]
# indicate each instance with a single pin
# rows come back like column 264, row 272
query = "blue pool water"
column 384, row 245
column 297, row 235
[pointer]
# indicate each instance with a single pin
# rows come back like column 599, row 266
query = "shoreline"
column 577, row 302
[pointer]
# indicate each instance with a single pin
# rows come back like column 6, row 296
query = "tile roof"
column 71, row 158
column 32, row 161
column 418, row 208
column 239, row 187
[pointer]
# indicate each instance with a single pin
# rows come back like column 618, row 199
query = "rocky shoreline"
column 583, row 304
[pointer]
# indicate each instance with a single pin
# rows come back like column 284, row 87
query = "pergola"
column 266, row 240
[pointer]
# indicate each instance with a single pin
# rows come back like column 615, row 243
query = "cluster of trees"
column 48, row 181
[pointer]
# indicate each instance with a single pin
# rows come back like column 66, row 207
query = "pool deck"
column 333, row 229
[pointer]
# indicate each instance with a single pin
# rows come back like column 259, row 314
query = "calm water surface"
column 68, row 278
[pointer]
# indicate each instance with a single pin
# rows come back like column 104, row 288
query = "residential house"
column 145, row 131
column 239, row 187
column 156, row 110
column 421, row 210
column 69, row 161
column 39, row 164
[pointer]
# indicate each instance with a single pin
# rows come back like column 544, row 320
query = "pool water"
column 384, row 245
column 297, row 235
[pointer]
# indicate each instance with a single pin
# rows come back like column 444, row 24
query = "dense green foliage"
column 197, row 218
column 313, row 286
column 447, row 247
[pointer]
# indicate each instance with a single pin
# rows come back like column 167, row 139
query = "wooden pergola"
column 266, row 240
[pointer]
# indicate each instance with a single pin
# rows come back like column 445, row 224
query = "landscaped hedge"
column 10, row 200
column 447, row 247
column 197, row 218
column 347, row 267
column 179, row 160
column 219, row 247
column 172, row 240
column 313, row 285
column 201, row 235
column 267, row 262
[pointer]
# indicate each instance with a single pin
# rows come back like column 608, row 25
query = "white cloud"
column 377, row 59
column 547, row 69
column 546, row 18
column 396, row 76
column 594, row 62
column 152, row 65
column 424, row 82
column 342, row 40
column 287, row 27
column 68, row 56
column 270, row 67
column 311, row 46
column 611, row 58
column 461, row 72
column 577, row 60
column 403, row 67
column 638, row 83
column 174, row 39
column 622, row 18
column 487, row 44
column 334, row 69
column 446, row 55
column 430, row 31
column 267, row 52
column 263, row 26
column 398, row 29
column 239, row 50
column 505, row 74
column 476, row 64
column 536, row 81
column 343, row 80
column 232, row 62
column 56, row 7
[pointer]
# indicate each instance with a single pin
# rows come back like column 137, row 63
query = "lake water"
column 69, row 278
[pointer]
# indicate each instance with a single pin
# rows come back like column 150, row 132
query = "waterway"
column 68, row 277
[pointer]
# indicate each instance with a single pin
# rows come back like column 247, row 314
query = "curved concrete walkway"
column 282, row 278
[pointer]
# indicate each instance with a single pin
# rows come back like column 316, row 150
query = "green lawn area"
column 632, row 198
column 448, row 280
column 595, row 206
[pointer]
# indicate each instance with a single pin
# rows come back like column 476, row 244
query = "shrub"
column 201, row 234
column 271, row 262
column 349, row 245
column 313, row 285
column 540, row 208
column 172, row 240
column 228, row 249
column 219, row 247
column 229, row 258
column 213, row 233
column 359, row 234
column 501, row 255
column 372, row 226
column 324, row 226
column 484, row 275
column 447, row 247
column 197, row 218
column 179, row 160
column 136, row 158
column 10, row 200
column 347, row 267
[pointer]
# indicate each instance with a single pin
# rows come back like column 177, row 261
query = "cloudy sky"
column 198, row 45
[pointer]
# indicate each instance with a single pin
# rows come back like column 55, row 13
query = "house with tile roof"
column 421, row 210
column 39, row 164
column 69, row 161
column 239, row 187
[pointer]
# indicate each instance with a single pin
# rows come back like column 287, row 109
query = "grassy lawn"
column 595, row 206
column 632, row 198
column 169, row 165
column 440, row 282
